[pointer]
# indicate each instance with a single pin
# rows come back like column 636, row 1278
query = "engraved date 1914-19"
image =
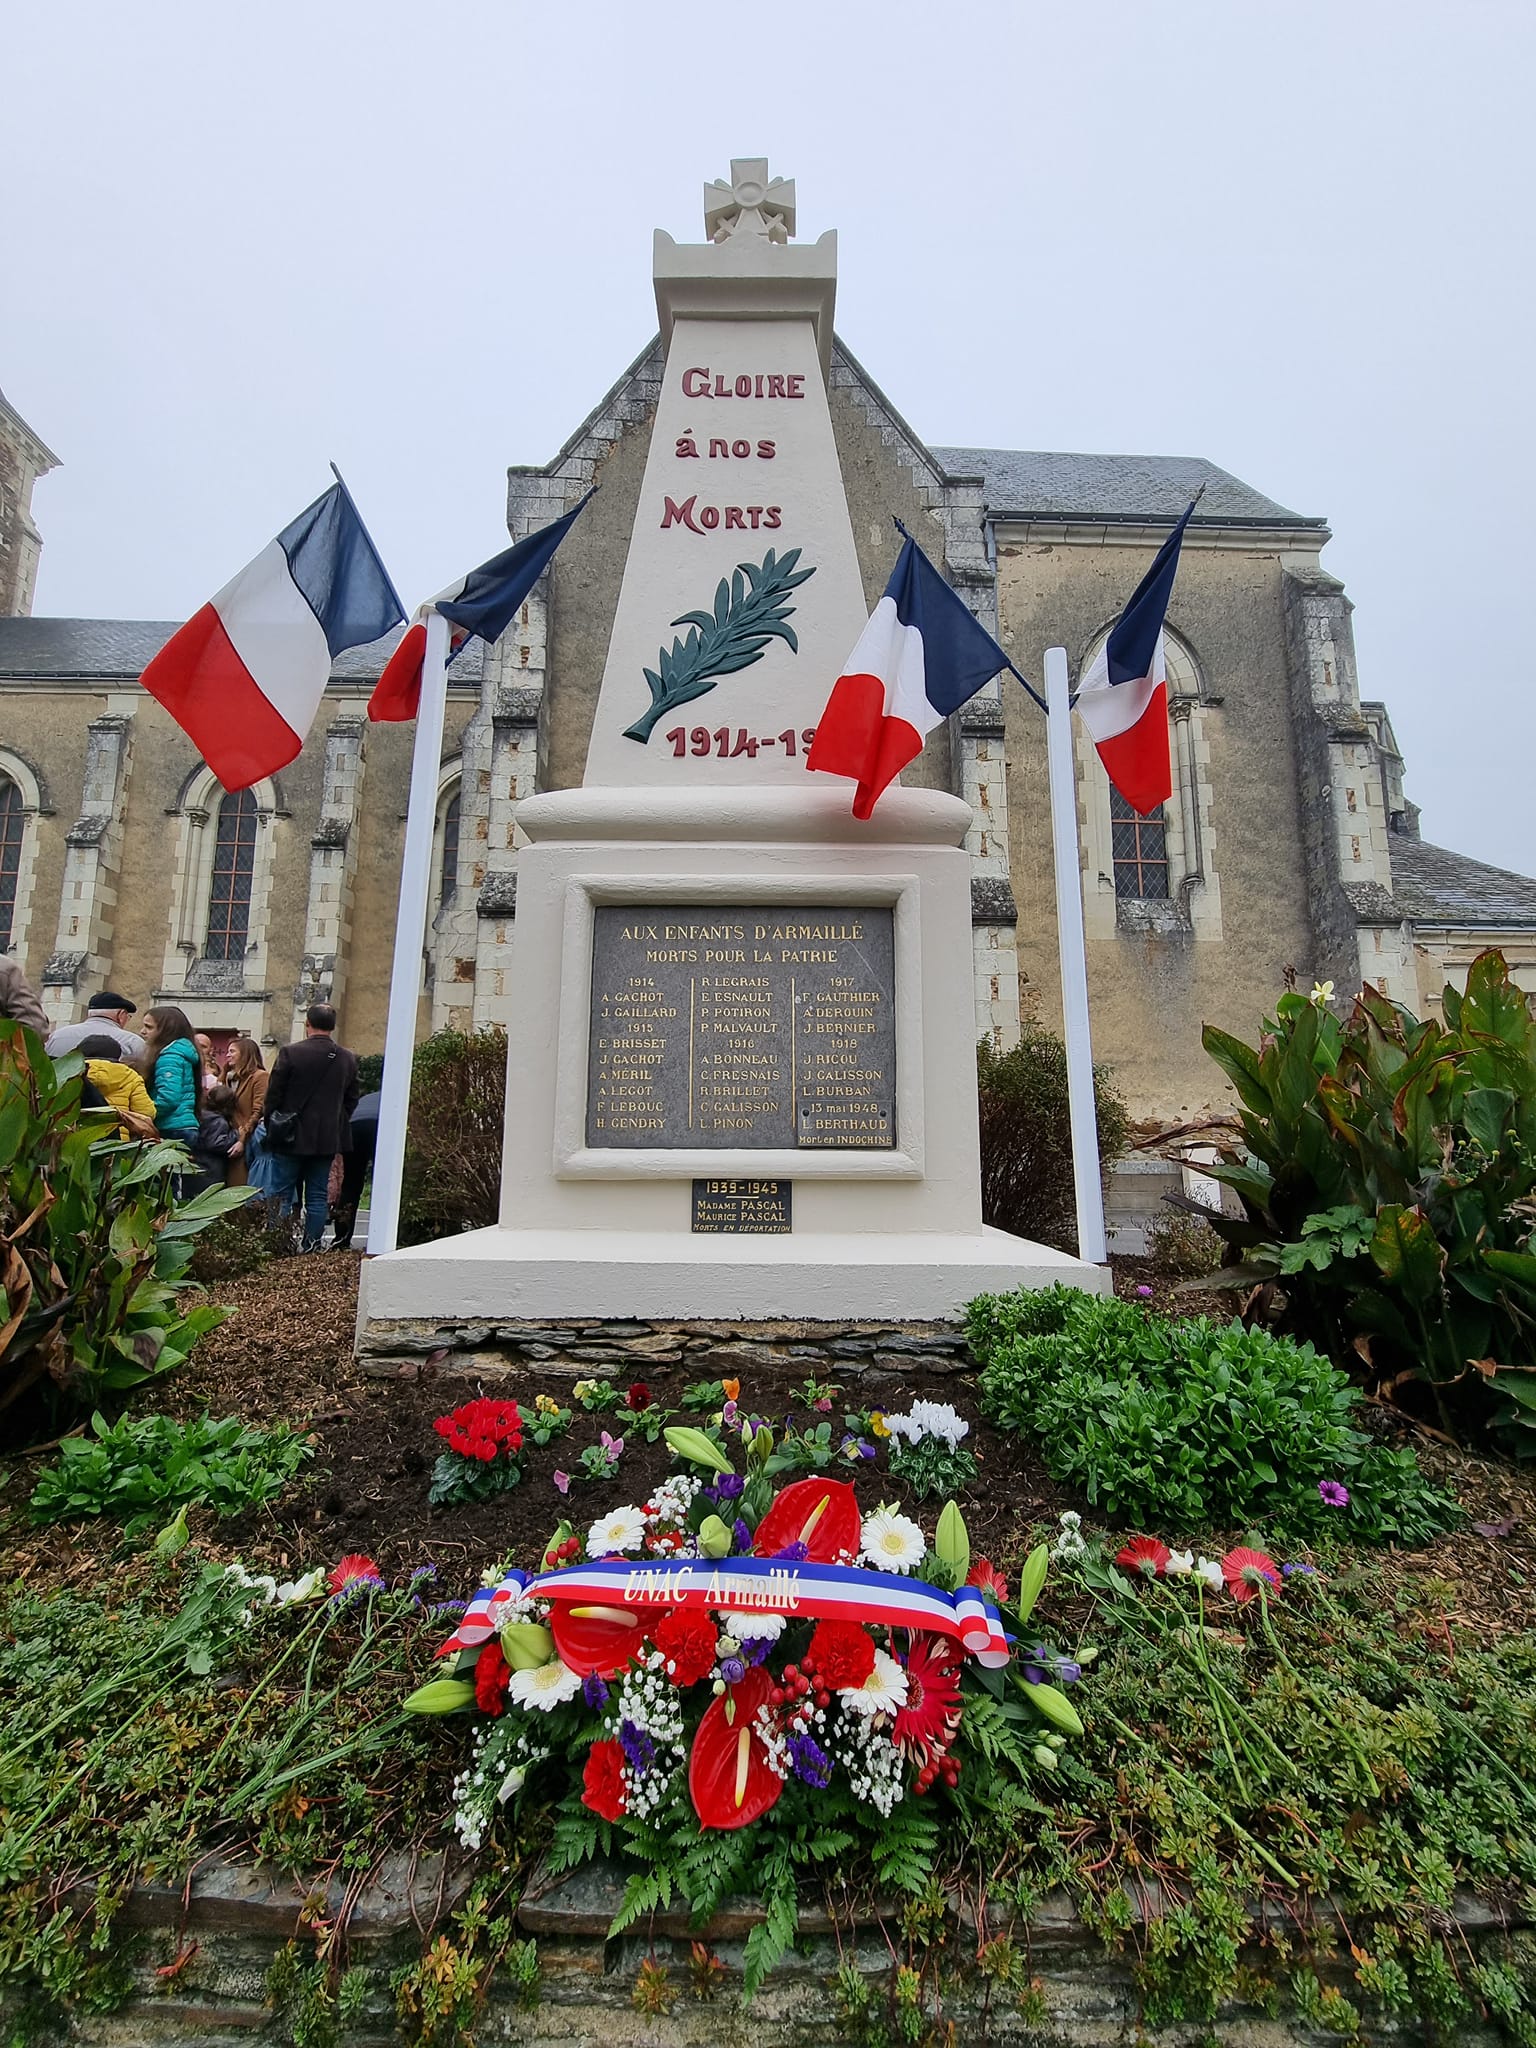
column 699, row 740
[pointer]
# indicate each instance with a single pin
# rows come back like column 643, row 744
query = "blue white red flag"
column 244, row 676
column 480, row 606
column 1123, row 699
column 921, row 656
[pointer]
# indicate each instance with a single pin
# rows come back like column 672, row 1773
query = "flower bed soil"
column 286, row 1355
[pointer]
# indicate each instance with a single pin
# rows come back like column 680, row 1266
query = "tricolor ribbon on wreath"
column 631, row 1596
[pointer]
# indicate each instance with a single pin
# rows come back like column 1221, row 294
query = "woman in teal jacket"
column 173, row 1068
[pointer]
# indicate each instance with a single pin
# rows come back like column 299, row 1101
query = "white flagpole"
column 410, row 940
column 1074, row 962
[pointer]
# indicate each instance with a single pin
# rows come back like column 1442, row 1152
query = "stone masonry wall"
column 200, row 1973
column 595, row 1349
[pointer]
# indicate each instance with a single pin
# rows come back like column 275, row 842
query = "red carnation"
column 1245, row 1571
column 491, row 1675
column 639, row 1396
column 1144, row 1554
column 988, row 1581
column 686, row 1638
column 602, row 1781
column 841, row 1655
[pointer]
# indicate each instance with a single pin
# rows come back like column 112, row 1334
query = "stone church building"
column 1289, row 843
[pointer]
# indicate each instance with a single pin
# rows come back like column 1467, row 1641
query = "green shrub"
column 144, row 1467
column 453, row 1138
column 1026, row 1137
column 1191, row 1425
column 241, row 1243
column 1387, row 1173
column 94, row 1244
column 370, row 1072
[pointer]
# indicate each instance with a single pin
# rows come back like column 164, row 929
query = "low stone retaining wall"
column 202, row 1972
column 607, row 1350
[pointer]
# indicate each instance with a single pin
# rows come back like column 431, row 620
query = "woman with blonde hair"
column 246, row 1073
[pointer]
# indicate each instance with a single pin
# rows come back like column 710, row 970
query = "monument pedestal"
column 764, row 1016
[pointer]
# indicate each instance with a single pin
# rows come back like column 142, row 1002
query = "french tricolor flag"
column 243, row 678
column 1123, row 699
column 921, row 656
column 480, row 606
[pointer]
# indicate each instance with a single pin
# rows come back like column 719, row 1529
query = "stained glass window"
column 229, row 897
column 449, row 879
column 1140, row 847
column 12, row 825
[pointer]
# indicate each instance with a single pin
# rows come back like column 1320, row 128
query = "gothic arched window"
column 448, row 877
column 229, row 894
column 1140, row 849
column 13, row 825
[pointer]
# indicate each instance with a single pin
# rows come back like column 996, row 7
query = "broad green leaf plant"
column 94, row 1243
column 1387, row 1174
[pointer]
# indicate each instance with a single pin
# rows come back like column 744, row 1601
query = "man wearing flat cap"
column 109, row 1012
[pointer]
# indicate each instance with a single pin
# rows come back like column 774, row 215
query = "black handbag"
column 282, row 1125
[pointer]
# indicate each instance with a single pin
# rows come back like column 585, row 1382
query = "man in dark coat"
column 316, row 1080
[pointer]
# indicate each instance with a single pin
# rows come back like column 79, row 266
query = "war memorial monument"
column 742, row 1077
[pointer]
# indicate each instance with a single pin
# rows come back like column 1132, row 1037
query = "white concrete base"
column 503, row 1275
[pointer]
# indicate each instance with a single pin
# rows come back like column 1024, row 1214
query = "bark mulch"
column 286, row 1355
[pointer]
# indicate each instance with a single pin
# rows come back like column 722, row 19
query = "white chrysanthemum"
column 623, row 1530
column 547, row 1685
column 892, row 1543
column 883, row 1692
column 753, row 1628
column 1180, row 1563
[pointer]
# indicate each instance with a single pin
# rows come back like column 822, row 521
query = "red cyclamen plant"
column 484, row 1442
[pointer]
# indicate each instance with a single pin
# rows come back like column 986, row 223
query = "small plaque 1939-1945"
column 754, row 1207
column 742, row 1026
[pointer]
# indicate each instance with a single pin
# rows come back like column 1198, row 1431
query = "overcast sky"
column 416, row 238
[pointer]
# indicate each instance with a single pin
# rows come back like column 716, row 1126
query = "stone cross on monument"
column 752, row 203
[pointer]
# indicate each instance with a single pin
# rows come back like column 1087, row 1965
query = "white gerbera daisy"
column 892, row 1543
column 623, row 1530
column 547, row 1685
column 883, row 1692
column 753, row 1628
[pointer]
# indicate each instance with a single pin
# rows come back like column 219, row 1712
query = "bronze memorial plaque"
column 742, row 1027
column 758, row 1208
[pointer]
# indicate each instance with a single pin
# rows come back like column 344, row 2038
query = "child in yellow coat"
column 121, row 1084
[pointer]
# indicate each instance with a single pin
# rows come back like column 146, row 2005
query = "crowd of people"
column 300, row 1134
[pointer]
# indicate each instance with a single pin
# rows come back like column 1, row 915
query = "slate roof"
column 1029, row 484
column 116, row 649
column 1432, row 885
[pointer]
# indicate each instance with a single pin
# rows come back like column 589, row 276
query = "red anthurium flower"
column 1245, row 1571
column 491, row 1675
column 596, row 1639
column 730, row 1779
column 686, row 1638
column 928, row 1723
column 823, row 1514
column 840, row 1654
column 602, row 1780
column 988, row 1580
column 1144, row 1554
column 352, row 1567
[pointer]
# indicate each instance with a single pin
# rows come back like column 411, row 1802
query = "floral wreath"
column 723, row 1641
